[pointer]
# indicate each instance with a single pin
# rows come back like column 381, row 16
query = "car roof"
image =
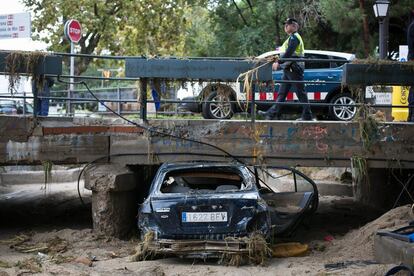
column 199, row 164
column 347, row 56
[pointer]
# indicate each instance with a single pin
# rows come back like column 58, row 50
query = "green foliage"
column 199, row 35
column 336, row 25
column 212, row 27
column 146, row 27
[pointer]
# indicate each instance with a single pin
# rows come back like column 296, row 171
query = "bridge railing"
column 139, row 101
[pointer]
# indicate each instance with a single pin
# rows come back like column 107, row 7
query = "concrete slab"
column 388, row 250
column 287, row 143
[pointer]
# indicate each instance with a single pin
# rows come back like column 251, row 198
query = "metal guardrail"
column 144, row 83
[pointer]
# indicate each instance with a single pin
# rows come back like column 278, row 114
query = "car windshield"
column 203, row 181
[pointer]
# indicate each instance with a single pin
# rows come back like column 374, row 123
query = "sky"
column 24, row 44
column 14, row 6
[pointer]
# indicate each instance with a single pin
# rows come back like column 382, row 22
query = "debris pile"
column 142, row 251
column 255, row 250
column 23, row 243
column 258, row 251
column 358, row 244
column 30, row 265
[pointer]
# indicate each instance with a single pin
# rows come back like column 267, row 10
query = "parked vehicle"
column 221, row 107
column 202, row 204
column 11, row 107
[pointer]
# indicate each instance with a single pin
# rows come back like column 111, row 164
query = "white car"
column 219, row 100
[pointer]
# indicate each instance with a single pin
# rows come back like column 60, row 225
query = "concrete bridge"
column 28, row 140
column 129, row 155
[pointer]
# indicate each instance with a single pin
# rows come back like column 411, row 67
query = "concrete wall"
column 65, row 140
column 384, row 188
column 116, row 193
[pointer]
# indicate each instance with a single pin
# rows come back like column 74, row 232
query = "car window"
column 202, row 181
column 316, row 65
column 341, row 61
column 29, row 108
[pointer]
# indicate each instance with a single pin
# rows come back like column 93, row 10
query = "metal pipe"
column 118, row 93
column 135, row 79
column 24, row 103
column 382, row 44
column 143, row 99
column 296, row 184
column 92, row 77
column 178, row 101
column 253, row 107
column 72, row 73
column 195, row 58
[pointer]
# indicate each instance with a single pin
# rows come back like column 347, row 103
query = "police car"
column 218, row 100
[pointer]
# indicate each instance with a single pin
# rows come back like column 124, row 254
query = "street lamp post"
column 381, row 12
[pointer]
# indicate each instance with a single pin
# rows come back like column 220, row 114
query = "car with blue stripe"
column 220, row 100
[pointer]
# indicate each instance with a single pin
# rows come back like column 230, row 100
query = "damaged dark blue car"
column 206, row 209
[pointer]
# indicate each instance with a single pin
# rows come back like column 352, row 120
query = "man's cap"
column 291, row 21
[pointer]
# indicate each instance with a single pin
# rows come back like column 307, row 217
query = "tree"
column 356, row 28
column 213, row 27
column 146, row 27
column 249, row 28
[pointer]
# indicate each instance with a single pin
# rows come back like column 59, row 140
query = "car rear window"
column 316, row 64
column 203, row 181
column 341, row 61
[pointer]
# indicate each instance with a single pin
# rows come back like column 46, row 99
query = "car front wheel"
column 218, row 106
column 346, row 109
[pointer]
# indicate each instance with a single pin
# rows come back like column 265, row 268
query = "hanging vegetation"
column 18, row 63
column 368, row 127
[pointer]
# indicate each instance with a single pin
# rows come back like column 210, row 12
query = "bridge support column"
column 114, row 199
column 382, row 187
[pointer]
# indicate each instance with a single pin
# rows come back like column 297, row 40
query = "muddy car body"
column 199, row 209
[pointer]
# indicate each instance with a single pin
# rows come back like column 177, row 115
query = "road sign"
column 15, row 25
column 73, row 30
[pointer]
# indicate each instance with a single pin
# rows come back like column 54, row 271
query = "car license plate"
column 204, row 217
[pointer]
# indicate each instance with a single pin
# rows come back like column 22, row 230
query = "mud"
column 61, row 241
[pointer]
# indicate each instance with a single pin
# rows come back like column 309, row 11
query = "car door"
column 290, row 195
column 315, row 71
column 322, row 72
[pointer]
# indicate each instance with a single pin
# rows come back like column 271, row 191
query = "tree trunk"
column 277, row 26
column 365, row 27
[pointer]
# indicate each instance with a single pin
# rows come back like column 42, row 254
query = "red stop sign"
column 73, row 30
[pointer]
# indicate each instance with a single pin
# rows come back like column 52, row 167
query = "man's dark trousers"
column 275, row 110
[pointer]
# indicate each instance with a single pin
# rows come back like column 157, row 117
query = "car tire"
column 342, row 113
column 218, row 106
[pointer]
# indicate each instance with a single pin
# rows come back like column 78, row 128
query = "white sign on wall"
column 403, row 53
column 15, row 25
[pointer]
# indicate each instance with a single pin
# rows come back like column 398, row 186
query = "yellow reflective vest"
column 300, row 49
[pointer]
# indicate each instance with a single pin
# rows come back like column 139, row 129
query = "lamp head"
column 381, row 8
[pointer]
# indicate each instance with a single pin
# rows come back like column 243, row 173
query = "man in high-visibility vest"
column 293, row 47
